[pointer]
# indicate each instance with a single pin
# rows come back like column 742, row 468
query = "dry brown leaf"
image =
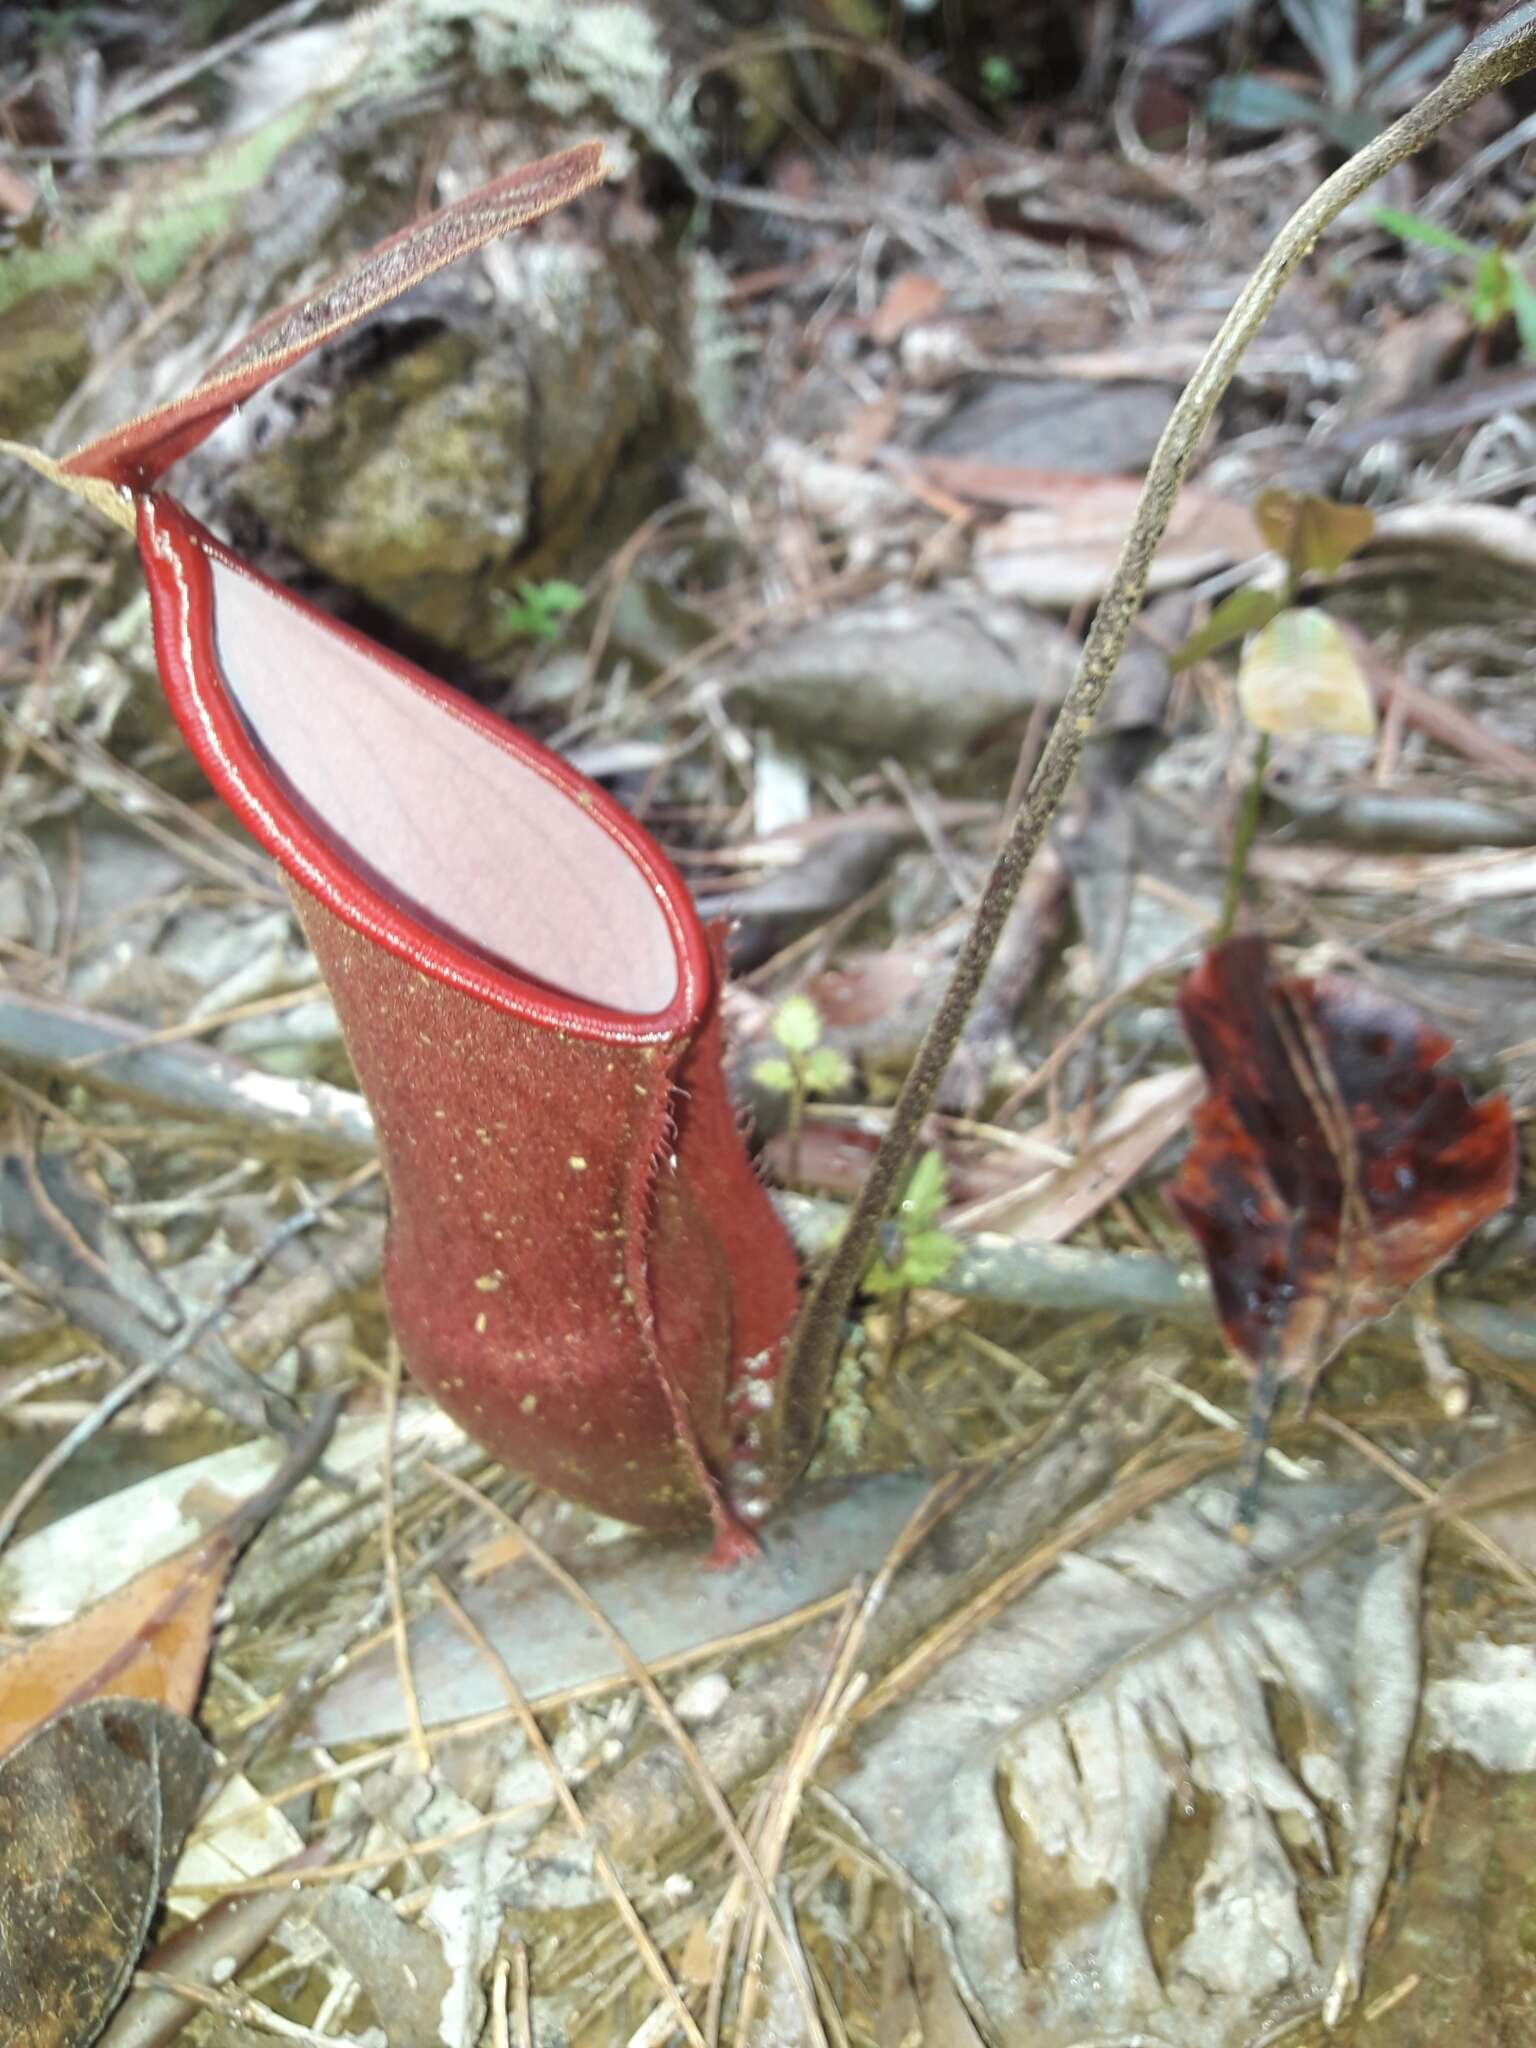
column 1498, row 531
column 1335, row 1161
column 96, row 1807
column 1063, row 551
column 1135, row 1128
column 148, row 1640
column 1005, row 485
column 910, row 300
column 1476, row 876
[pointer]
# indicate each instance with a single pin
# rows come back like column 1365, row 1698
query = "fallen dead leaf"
column 149, row 1640
column 1473, row 877
column 1062, row 551
column 1335, row 1162
column 93, row 1811
column 1003, row 486
column 1138, row 1123
column 1497, row 530
column 239, row 1835
column 54, row 1574
column 909, row 300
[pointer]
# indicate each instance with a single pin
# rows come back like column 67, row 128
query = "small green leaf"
column 827, row 1072
column 540, row 607
column 1523, row 302
column 1299, row 674
column 1240, row 613
column 776, row 1075
column 929, row 1256
column 1412, row 227
column 1259, row 103
column 797, row 1024
column 927, row 1192
column 925, row 1258
column 1491, row 289
column 883, row 1279
column 1000, row 78
column 555, row 596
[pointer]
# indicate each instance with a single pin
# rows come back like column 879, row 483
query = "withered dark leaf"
column 1334, row 1163
column 94, row 1809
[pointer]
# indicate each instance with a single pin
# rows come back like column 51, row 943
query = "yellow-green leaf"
column 1314, row 535
column 926, row 1192
column 797, row 1024
column 1299, row 674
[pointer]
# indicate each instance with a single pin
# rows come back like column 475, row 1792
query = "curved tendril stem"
column 1503, row 52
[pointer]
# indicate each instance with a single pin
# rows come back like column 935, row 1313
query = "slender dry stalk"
column 342, row 1871
column 522, row 1999
column 839, row 1696
column 391, row 1540
column 613, row 1884
column 1472, row 1532
column 661, row 1707
column 1501, row 53
column 1096, row 1519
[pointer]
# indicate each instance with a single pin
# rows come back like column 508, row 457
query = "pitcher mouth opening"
column 423, row 820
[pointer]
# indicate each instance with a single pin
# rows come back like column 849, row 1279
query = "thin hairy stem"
column 1242, row 840
column 1501, row 53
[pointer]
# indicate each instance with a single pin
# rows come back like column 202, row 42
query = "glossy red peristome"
column 582, row 1265
column 1335, row 1162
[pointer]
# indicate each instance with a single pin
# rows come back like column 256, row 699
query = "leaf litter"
column 1109, row 1774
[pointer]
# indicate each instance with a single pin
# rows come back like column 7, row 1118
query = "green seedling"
column 1000, row 78
column 805, row 1068
column 1499, row 289
column 1313, row 537
column 539, row 610
column 1361, row 83
column 914, row 1253
column 1297, row 671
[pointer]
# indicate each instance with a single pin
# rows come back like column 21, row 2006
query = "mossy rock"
column 44, row 352
column 438, row 482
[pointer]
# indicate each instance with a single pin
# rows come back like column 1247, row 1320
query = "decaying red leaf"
column 1334, row 1163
